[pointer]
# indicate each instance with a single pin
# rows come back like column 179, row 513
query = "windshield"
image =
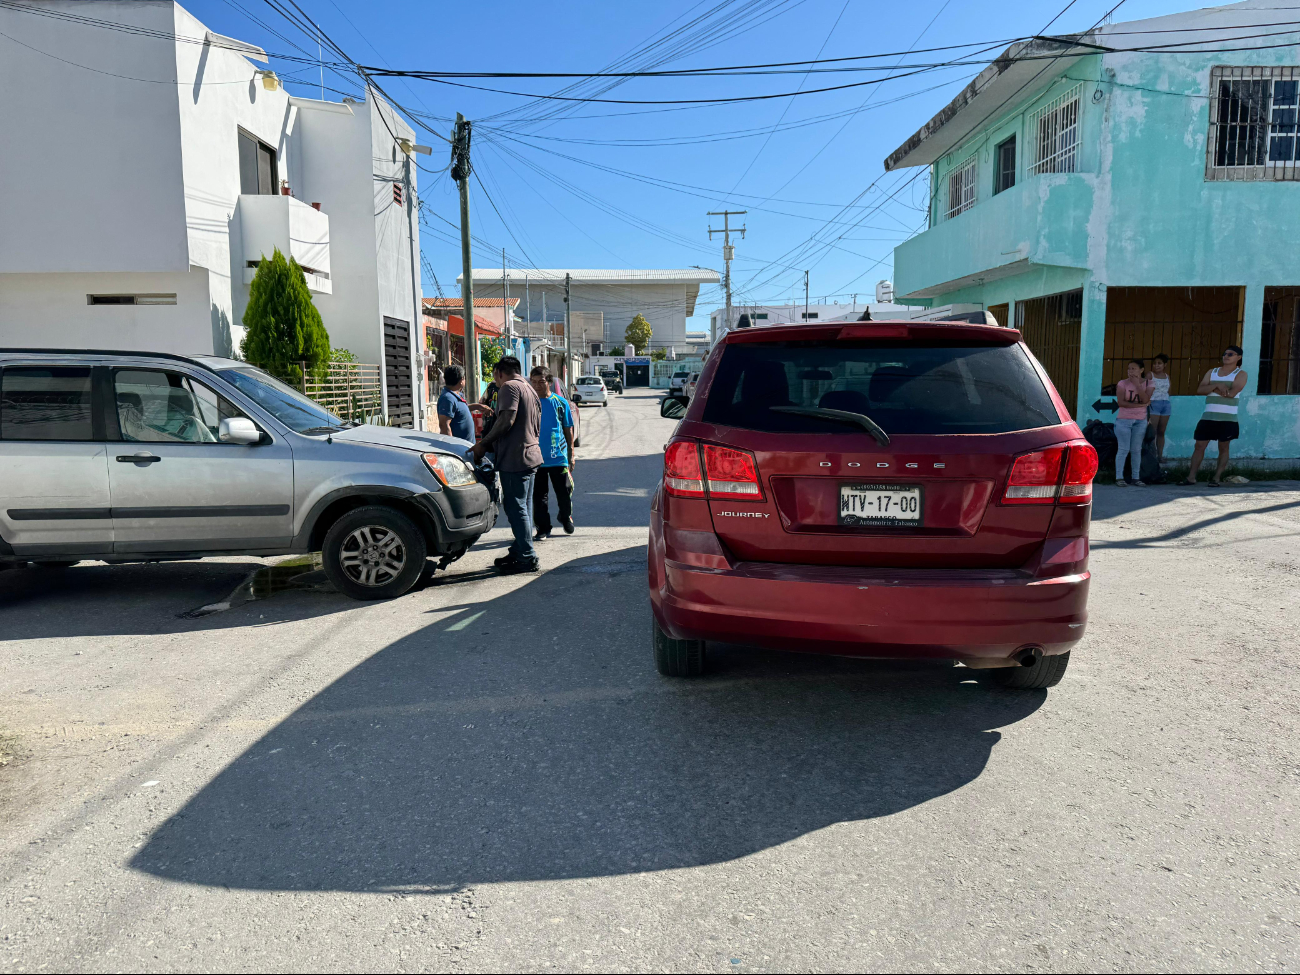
column 906, row 388
column 285, row 403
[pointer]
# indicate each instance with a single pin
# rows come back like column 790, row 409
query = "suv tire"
column 676, row 658
column 1046, row 673
column 374, row 552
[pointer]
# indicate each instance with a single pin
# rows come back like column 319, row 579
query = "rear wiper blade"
column 842, row 416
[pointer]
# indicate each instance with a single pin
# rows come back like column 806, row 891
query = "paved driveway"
column 488, row 774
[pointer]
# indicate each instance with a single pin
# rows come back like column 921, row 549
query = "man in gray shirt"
column 514, row 438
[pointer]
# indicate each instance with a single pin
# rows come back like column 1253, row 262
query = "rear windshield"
column 905, row 387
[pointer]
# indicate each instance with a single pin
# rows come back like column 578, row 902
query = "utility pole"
column 507, row 320
column 728, row 252
column 460, row 170
column 417, row 346
column 805, row 296
column 568, row 336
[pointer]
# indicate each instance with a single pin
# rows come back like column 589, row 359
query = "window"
column 167, row 407
column 49, row 403
column 1253, row 124
column 258, row 174
column 906, row 387
column 1279, row 350
column 1055, row 131
column 1053, row 329
column 961, row 188
column 760, row 316
column 1004, row 161
column 285, row 403
column 130, row 299
column 808, row 315
column 397, row 193
column 1190, row 325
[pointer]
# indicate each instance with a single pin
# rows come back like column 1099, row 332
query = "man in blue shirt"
column 556, row 441
column 453, row 412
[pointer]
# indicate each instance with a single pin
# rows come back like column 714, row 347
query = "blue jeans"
column 517, row 499
column 1129, row 433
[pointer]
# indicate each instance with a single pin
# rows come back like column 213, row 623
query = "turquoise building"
column 1128, row 192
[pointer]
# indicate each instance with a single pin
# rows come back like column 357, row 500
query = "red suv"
column 881, row 489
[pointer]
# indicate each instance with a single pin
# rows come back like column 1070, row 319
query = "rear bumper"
column 870, row 612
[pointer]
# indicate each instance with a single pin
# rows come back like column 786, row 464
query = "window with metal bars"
column 1190, row 325
column 1279, row 346
column 1054, row 129
column 1253, row 116
column 961, row 189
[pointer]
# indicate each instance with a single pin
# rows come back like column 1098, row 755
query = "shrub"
column 282, row 327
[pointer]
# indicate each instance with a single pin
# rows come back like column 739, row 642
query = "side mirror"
column 238, row 429
column 672, row 408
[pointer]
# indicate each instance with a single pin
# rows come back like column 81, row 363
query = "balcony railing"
column 298, row 230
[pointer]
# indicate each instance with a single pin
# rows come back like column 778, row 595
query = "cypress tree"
column 281, row 325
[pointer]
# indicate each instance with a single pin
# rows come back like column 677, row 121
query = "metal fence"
column 1052, row 327
column 1190, row 325
column 350, row 390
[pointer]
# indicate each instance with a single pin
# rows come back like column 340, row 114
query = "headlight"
column 451, row 471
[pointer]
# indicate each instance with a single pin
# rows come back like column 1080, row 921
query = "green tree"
column 659, row 355
column 490, row 352
column 638, row 333
column 342, row 355
column 281, row 325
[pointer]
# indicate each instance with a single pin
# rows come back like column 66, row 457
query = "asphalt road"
column 487, row 774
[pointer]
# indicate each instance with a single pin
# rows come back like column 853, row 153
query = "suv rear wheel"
column 1047, row 672
column 676, row 658
column 374, row 552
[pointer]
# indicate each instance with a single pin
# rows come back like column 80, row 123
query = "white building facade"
column 170, row 164
column 799, row 314
column 666, row 298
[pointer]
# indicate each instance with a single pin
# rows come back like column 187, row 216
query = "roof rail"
column 123, row 352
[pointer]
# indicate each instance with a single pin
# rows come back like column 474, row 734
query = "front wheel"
column 374, row 552
column 676, row 658
column 1047, row 672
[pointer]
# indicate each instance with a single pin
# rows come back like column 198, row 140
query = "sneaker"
column 1120, row 482
column 515, row 566
column 503, row 560
column 541, row 536
column 568, row 525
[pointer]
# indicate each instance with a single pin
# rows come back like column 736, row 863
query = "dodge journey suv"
column 132, row 457
column 887, row 489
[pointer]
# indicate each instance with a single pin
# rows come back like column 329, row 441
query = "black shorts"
column 1217, row 430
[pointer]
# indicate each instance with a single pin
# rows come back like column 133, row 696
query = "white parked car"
column 678, row 381
column 688, row 387
column 590, row 389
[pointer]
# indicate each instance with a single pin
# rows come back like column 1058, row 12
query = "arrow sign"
column 1099, row 406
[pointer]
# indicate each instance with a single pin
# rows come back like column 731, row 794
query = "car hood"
column 406, row 439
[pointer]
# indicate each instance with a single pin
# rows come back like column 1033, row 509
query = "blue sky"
column 609, row 185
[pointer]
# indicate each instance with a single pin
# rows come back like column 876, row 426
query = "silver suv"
column 132, row 457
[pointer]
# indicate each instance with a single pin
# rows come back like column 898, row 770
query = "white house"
column 665, row 297
column 799, row 314
column 146, row 166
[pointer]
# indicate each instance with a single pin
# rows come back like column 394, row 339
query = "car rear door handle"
column 143, row 457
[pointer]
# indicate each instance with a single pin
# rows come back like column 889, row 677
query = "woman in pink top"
column 1133, row 393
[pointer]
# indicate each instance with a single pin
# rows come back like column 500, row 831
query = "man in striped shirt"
column 1221, row 388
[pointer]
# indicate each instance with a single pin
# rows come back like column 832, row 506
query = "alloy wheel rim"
column 372, row 555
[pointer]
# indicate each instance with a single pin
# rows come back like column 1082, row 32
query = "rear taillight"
column 682, row 475
column 725, row 472
column 731, row 473
column 1080, row 469
column 1036, row 478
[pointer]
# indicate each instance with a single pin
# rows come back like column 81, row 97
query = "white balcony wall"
column 296, row 229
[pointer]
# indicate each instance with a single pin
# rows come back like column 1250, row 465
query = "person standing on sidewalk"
column 557, row 457
column 454, row 417
column 1133, row 394
column 514, row 438
column 1161, row 407
column 1222, row 387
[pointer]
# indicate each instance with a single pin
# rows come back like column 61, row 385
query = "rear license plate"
column 880, row 504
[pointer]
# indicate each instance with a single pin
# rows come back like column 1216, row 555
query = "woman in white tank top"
column 1221, row 388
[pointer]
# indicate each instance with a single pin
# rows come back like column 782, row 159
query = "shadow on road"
column 499, row 744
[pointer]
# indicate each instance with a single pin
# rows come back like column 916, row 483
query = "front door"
column 53, row 463
column 176, row 487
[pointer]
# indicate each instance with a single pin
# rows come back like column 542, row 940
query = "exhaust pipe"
column 1028, row 656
